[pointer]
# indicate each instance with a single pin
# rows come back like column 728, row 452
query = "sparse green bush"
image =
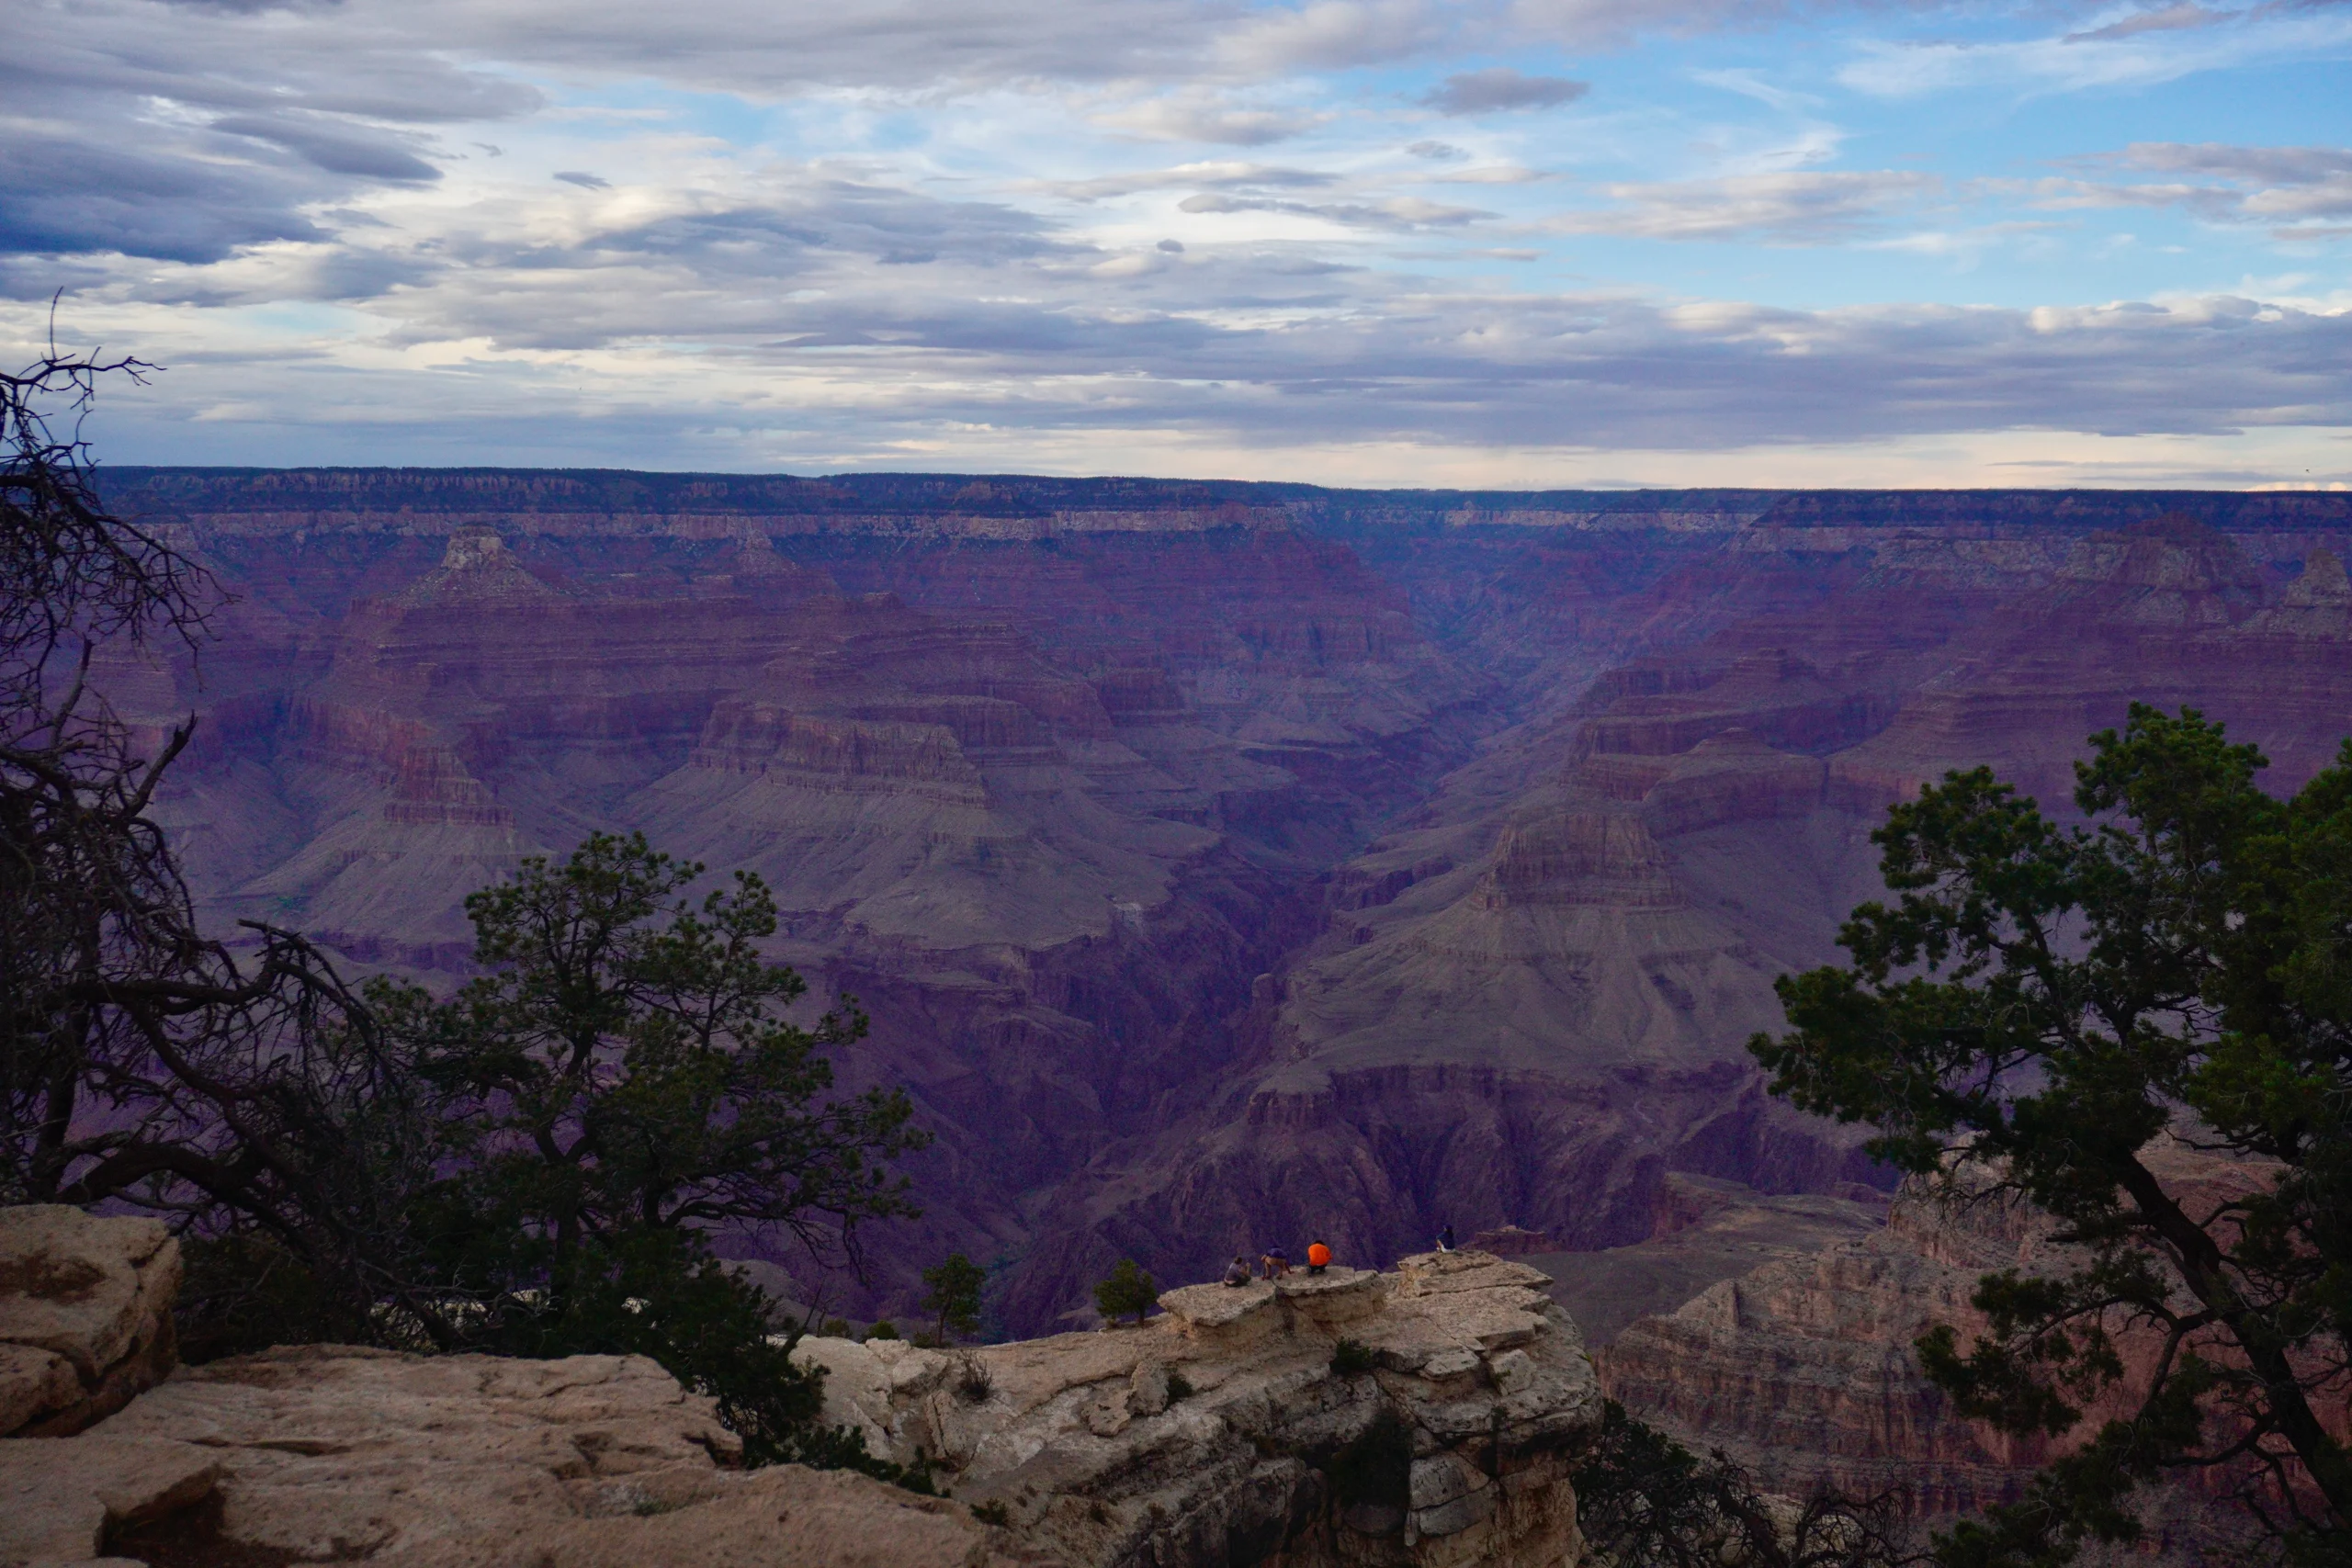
column 883, row 1329
column 1127, row 1289
column 1350, row 1357
column 1179, row 1386
column 955, row 1296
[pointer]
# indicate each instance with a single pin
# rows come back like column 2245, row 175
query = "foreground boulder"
column 85, row 1314
column 1236, row 1428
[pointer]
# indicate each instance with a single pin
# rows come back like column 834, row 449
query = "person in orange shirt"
column 1318, row 1258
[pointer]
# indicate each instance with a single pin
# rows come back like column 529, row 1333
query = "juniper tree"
column 2053, row 1004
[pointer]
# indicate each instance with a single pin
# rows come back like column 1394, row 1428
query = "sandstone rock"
column 1202, row 1437
column 61, row 1499
column 85, row 1314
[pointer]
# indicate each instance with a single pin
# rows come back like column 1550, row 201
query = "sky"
column 1504, row 243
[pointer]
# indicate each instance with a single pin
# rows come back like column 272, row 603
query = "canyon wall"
column 1804, row 1372
column 1221, row 864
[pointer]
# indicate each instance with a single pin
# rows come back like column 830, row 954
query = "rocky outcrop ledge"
column 1231, row 1430
column 1213, row 1434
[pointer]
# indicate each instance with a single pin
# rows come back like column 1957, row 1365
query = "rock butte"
column 1220, row 863
column 1207, row 1435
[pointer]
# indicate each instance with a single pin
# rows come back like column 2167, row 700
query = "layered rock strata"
column 86, row 1315
column 1220, row 1431
column 1804, row 1370
column 1220, row 864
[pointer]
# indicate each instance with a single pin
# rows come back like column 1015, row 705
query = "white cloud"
column 1499, row 88
column 2107, row 58
column 1785, row 209
column 1199, row 117
column 2289, row 190
column 754, row 230
column 1224, row 173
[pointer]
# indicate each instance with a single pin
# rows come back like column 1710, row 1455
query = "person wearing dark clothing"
column 1277, row 1263
column 1239, row 1274
column 1445, row 1239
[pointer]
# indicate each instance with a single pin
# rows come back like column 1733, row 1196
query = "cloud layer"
column 1064, row 236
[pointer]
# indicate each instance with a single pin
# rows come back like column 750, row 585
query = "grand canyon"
column 1220, row 866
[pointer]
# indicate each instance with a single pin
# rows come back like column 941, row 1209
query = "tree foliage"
column 622, row 1069
column 536, row 1166
column 955, row 1296
column 143, row 1058
column 2062, row 1007
column 1126, row 1289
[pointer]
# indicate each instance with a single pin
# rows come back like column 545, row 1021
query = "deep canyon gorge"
column 1220, row 864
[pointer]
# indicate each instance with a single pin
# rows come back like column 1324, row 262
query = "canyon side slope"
column 1220, row 864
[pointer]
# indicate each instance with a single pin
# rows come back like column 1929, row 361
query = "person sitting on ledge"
column 1445, row 1239
column 1318, row 1258
column 1239, row 1274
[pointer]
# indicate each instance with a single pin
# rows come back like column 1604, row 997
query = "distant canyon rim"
column 1221, row 864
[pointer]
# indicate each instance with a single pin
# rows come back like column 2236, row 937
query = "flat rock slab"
column 1217, row 1306
column 335, row 1454
column 1332, row 1281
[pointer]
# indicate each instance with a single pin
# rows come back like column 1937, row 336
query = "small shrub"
column 883, row 1329
column 1128, row 1289
column 992, row 1512
column 974, row 1381
column 1179, row 1386
column 835, row 1329
column 1350, row 1357
column 955, row 1296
